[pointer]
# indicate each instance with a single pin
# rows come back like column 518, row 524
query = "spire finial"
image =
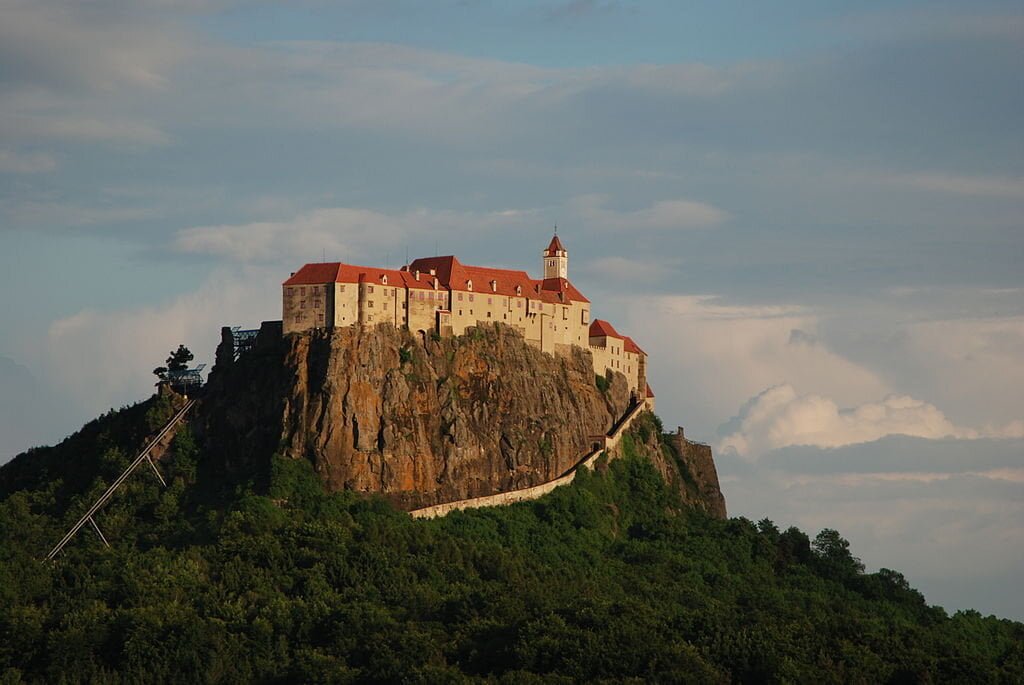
column 556, row 229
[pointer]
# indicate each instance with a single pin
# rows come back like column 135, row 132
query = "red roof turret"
column 555, row 245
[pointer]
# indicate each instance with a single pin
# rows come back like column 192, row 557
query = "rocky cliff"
column 422, row 421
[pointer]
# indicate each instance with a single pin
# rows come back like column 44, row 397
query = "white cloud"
column 59, row 215
column 781, row 417
column 708, row 357
column 13, row 162
column 983, row 186
column 78, row 45
column 625, row 270
column 345, row 233
column 662, row 215
column 933, row 527
column 103, row 359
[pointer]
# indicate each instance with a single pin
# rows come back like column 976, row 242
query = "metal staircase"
column 143, row 456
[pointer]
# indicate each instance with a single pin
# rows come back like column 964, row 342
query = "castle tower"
column 556, row 260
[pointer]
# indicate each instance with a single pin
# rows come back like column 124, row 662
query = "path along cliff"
column 422, row 421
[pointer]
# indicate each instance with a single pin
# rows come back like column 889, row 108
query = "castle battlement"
column 444, row 296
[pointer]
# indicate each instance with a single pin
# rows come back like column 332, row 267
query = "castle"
column 441, row 295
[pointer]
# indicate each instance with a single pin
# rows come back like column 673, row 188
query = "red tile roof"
column 650, row 392
column 456, row 275
column 631, row 346
column 338, row 272
column 555, row 245
column 563, row 287
column 599, row 328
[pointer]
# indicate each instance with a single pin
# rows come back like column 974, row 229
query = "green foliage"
column 611, row 579
column 177, row 361
column 602, row 382
column 404, row 355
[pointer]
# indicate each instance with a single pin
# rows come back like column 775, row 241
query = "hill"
column 259, row 570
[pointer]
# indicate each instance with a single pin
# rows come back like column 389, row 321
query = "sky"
column 809, row 214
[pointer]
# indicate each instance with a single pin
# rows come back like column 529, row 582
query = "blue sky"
column 809, row 213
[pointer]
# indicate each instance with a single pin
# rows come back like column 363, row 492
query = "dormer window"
column 519, row 290
column 433, row 272
column 384, row 279
column 469, row 284
column 416, row 274
column 435, row 283
column 494, row 286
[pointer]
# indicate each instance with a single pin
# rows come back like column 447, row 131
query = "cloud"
column 28, row 410
column 709, row 356
column 30, row 213
column 84, row 46
column 624, row 270
column 12, row 162
column 982, row 186
column 347, row 233
column 660, row 216
column 780, row 417
column 576, row 9
column 122, row 346
column 929, row 508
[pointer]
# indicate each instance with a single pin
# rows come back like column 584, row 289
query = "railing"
column 512, row 496
column 143, row 456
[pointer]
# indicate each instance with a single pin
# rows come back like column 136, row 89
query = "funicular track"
column 144, row 455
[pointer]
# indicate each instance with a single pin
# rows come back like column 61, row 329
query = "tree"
column 834, row 551
column 177, row 361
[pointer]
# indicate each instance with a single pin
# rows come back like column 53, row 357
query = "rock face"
column 421, row 421
column 425, row 421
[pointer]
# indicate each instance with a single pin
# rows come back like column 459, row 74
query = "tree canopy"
column 612, row 579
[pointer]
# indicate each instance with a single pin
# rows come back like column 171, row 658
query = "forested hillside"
column 272, row 579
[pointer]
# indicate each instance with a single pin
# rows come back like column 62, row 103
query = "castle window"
column 470, row 297
column 565, row 313
column 460, row 297
column 489, row 301
column 519, row 303
column 369, row 303
column 488, row 315
column 341, row 288
column 369, row 288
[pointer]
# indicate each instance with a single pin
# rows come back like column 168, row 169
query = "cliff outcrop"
column 420, row 420
column 688, row 466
